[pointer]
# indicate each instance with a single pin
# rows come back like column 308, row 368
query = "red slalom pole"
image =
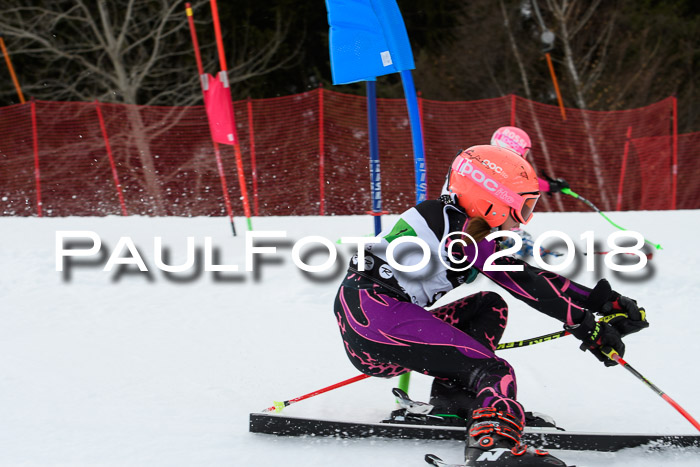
column 616, row 357
column 236, row 143
column 37, row 172
column 278, row 406
column 217, row 152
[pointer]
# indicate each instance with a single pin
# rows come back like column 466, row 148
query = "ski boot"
column 449, row 411
column 450, row 398
column 494, row 440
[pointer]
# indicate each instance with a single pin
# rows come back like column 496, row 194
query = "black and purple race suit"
column 387, row 330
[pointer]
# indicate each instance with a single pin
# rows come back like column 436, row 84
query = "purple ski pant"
column 385, row 336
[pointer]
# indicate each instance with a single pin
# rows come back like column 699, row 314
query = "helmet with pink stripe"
column 492, row 182
column 512, row 138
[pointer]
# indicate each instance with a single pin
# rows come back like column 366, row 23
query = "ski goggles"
column 523, row 206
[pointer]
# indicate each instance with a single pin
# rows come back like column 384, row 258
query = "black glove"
column 555, row 184
column 598, row 337
column 620, row 312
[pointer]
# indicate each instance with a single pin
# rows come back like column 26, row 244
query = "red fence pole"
column 37, row 174
column 512, row 110
column 254, row 170
column 674, row 166
column 321, row 152
column 622, row 170
column 111, row 158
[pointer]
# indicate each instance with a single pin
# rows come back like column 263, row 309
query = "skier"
column 387, row 331
column 515, row 139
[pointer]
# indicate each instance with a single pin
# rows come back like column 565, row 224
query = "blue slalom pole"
column 416, row 135
column 375, row 174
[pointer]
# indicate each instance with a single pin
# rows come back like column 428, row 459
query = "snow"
column 106, row 368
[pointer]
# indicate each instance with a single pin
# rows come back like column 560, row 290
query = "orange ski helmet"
column 513, row 138
column 491, row 182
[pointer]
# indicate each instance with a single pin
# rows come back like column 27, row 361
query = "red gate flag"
column 217, row 101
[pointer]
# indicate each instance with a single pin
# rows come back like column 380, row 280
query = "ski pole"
column 568, row 191
column 532, row 340
column 613, row 355
column 279, row 405
column 545, row 338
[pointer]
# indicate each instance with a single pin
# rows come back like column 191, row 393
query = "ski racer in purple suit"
column 387, row 330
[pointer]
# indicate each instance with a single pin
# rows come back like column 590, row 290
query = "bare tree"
column 585, row 68
column 129, row 51
column 528, row 94
column 135, row 52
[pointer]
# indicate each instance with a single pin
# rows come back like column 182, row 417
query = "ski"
column 542, row 438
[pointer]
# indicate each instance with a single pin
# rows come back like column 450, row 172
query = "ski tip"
column 432, row 459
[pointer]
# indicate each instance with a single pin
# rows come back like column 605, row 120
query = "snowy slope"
column 108, row 368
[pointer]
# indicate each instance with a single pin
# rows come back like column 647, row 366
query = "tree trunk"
column 560, row 15
column 141, row 142
column 528, row 94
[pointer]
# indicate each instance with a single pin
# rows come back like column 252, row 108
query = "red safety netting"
column 688, row 171
column 286, row 135
column 588, row 150
column 654, row 156
column 18, row 196
column 307, row 154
